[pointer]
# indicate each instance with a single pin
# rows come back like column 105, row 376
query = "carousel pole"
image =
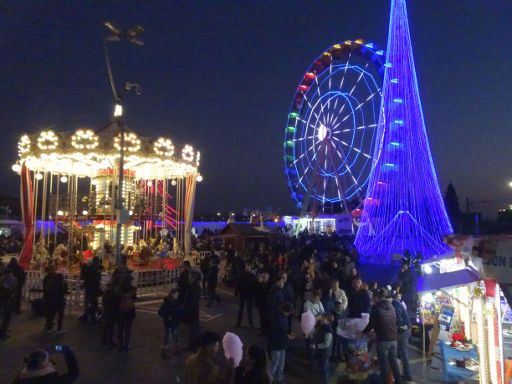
column 131, row 36
column 49, row 213
column 56, row 212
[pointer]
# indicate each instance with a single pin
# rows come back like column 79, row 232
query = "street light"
column 510, row 184
column 130, row 35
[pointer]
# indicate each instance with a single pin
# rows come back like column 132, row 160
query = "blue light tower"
column 404, row 208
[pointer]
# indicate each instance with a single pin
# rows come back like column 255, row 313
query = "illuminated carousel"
column 70, row 184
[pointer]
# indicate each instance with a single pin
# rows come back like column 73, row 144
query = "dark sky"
column 220, row 75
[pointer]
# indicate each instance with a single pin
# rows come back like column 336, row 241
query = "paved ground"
column 143, row 363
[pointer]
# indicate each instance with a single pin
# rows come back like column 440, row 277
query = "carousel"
column 71, row 204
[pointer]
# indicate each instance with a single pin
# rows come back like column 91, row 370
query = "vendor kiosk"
column 464, row 310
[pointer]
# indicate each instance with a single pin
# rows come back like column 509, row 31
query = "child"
column 338, row 315
column 170, row 312
column 323, row 344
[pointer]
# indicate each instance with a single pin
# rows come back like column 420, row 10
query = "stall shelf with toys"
column 460, row 310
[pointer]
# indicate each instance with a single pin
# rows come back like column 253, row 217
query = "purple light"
column 408, row 214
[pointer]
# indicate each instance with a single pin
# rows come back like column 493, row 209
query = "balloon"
column 307, row 322
column 232, row 347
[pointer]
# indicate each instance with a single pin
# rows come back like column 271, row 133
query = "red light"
column 303, row 87
column 310, row 75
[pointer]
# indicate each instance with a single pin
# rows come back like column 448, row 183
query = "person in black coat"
column 213, row 277
column 183, row 280
column 20, row 275
column 91, row 276
column 170, row 312
column 245, row 289
column 40, row 370
column 276, row 298
column 358, row 299
column 261, row 297
column 190, row 307
column 54, row 290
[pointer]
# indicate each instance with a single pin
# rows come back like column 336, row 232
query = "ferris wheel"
column 332, row 127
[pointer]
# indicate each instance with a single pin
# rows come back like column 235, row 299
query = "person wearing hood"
column 383, row 321
column 40, row 370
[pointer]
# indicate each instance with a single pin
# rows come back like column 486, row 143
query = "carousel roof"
column 85, row 151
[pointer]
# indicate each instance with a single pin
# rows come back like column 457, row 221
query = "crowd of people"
column 279, row 282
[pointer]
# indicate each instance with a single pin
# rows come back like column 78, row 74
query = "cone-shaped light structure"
column 403, row 209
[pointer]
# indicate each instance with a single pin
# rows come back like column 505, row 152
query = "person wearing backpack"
column 126, row 313
column 170, row 312
column 55, row 290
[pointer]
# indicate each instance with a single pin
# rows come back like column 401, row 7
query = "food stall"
column 464, row 313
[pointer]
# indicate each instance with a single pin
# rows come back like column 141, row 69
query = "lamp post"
column 130, row 35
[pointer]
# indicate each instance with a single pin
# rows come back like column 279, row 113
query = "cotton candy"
column 307, row 322
column 232, row 347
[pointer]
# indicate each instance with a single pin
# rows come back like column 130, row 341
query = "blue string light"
column 403, row 209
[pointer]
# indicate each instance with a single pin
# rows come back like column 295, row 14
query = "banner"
column 27, row 211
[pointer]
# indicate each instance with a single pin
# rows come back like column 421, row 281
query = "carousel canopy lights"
column 187, row 153
column 39, row 176
column 199, row 178
column 85, row 139
column 63, row 179
column 131, row 142
column 164, row 147
column 24, row 145
column 47, row 141
column 85, row 152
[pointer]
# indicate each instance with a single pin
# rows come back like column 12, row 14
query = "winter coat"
column 170, row 312
column 246, row 285
column 190, row 305
column 278, row 335
column 54, row 377
column 54, row 289
column 358, row 302
column 383, row 321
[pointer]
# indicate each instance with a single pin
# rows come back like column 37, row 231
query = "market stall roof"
column 445, row 280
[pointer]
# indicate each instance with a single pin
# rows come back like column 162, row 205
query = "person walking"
column 383, row 321
column 404, row 333
column 245, row 289
column 190, row 307
column 170, row 312
column 8, row 289
column 91, row 276
column 213, row 277
column 55, row 290
column 20, row 275
column 127, row 294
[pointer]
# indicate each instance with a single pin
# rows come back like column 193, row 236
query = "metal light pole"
column 130, row 35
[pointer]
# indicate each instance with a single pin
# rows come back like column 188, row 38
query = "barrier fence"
column 155, row 282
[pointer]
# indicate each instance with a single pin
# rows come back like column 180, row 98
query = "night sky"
column 220, row 75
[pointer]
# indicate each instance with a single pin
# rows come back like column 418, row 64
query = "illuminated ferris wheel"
column 331, row 131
